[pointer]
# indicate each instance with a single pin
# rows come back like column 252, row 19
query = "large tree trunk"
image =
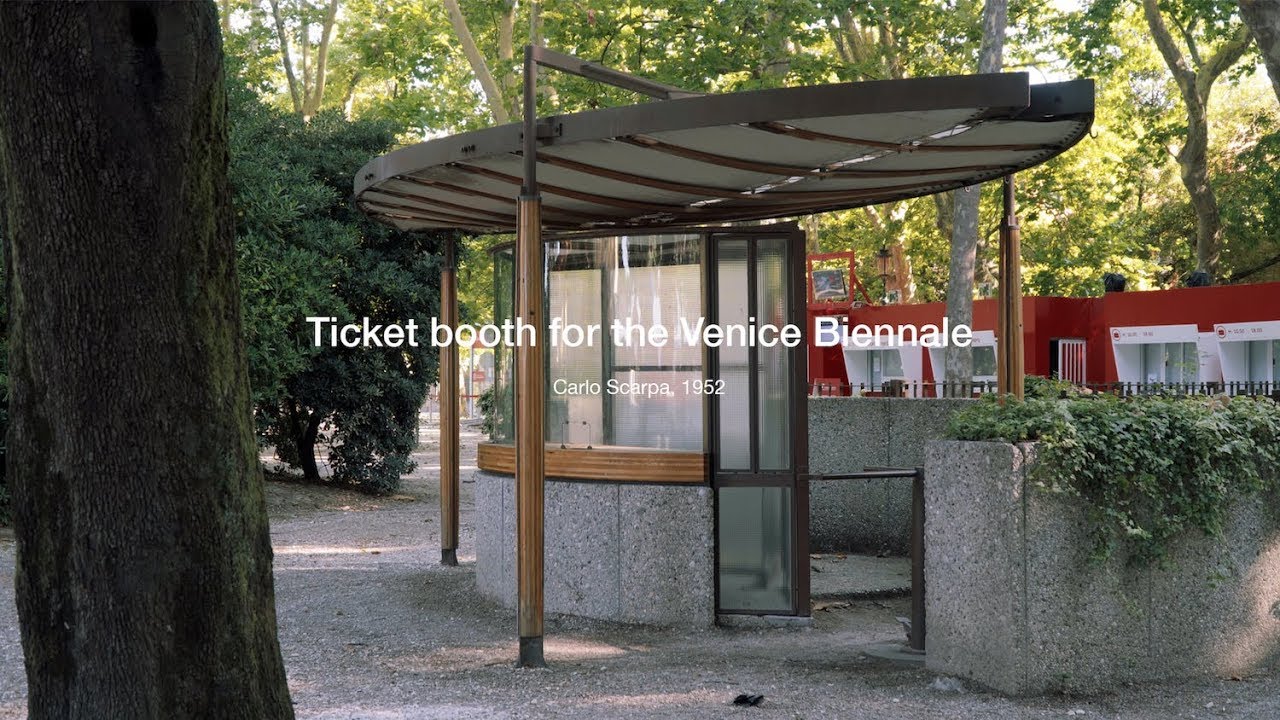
column 1193, row 166
column 1195, row 80
column 315, row 93
column 964, row 226
column 286, row 57
column 307, row 448
column 511, row 73
column 1263, row 19
column 492, row 92
column 144, row 584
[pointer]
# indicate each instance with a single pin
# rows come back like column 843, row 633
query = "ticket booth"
column 737, row 411
column 1165, row 355
column 670, row 506
column 1250, row 353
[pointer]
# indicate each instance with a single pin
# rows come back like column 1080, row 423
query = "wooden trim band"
column 620, row 464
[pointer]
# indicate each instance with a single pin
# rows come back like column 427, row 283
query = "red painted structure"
column 1046, row 319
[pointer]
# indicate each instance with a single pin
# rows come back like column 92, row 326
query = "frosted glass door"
column 732, row 293
column 761, row 500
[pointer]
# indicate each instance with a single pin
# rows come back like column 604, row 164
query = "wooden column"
column 1010, row 352
column 449, row 413
column 530, row 393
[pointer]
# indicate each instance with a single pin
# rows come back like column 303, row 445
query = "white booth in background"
column 1165, row 355
column 984, row 358
column 869, row 368
column 1250, row 351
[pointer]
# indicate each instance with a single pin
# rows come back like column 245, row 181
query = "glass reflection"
column 645, row 280
column 755, row 548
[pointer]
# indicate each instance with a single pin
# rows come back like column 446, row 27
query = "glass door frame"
column 796, row 477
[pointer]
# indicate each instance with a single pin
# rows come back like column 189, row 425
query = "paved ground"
column 840, row 576
column 372, row 627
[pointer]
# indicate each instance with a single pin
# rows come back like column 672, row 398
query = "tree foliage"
column 1116, row 202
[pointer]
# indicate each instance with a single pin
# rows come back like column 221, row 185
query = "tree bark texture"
column 964, row 224
column 492, row 92
column 1194, row 83
column 144, row 585
column 1263, row 19
column 286, row 57
column 315, row 95
column 307, row 448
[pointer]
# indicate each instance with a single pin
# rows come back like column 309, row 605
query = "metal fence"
column 1129, row 389
column 917, row 389
column 903, row 388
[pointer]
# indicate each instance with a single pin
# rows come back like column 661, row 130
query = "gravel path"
column 372, row 627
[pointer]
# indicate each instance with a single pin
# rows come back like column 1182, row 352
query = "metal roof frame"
column 383, row 186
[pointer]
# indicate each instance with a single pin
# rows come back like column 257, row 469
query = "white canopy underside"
column 742, row 156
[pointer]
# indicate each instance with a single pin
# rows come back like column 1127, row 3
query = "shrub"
column 488, row 414
column 1149, row 468
column 305, row 250
column 1043, row 387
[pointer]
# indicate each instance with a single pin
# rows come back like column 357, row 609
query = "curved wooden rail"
column 609, row 463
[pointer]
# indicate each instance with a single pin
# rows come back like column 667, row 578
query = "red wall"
column 1049, row 318
column 825, row 364
column 1203, row 306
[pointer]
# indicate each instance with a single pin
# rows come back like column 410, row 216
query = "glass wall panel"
column 755, row 548
column 774, row 367
column 1259, row 365
column 633, row 394
column 656, row 281
column 735, row 399
column 884, row 365
column 1153, row 362
column 984, row 363
column 1170, row 363
column 575, row 408
column 641, row 419
column 1187, row 369
column 652, row 296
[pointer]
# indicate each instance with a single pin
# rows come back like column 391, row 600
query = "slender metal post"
column 917, row 561
column 530, row 391
column 449, row 413
column 1010, row 354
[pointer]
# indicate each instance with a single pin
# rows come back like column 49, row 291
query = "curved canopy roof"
column 739, row 156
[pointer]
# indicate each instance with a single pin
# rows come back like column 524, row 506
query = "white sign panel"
column 1244, row 332
column 1248, row 350
column 1146, row 334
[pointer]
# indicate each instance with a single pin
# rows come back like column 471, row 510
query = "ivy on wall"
column 1149, row 468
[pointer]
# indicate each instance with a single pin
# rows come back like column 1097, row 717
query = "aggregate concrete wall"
column 627, row 552
column 847, row 434
column 1015, row 604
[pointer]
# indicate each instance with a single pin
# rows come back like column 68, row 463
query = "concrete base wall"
column 625, row 552
column 847, row 434
column 1015, row 604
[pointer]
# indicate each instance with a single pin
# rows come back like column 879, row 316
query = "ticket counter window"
column 1174, row 363
column 601, row 393
column 984, row 363
column 883, row 366
column 1263, row 358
